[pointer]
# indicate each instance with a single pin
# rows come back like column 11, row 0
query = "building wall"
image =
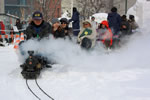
column 11, row 1
column 18, row 8
column 55, row 9
column 52, row 10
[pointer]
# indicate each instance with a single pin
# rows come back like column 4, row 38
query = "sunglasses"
column 63, row 23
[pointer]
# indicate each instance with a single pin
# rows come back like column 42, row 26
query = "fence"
column 8, row 20
column 14, row 37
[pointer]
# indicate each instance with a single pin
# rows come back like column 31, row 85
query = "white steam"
column 68, row 53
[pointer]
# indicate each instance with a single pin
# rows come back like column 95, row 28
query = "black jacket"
column 75, row 19
column 114, row 21
column 44, row 30
column 59, row 33
column 127, row 30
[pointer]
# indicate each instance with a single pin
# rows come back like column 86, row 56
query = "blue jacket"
column 76, row 21
column 114, row 21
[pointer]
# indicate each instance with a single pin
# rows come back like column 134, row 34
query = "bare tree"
column 97, row 5
column 111, row 3
column 54, row 9
column 22, row 10
column 47, row 7
column 89, row 7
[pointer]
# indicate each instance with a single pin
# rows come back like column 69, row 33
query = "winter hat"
column 87, row 22
column 55, row 20
column 114, row 9
column 124, row 17
column 37, row 15
column 105, row 23
column 92, row 17
column 131, row 17
column 64, row 20
column 74, row 9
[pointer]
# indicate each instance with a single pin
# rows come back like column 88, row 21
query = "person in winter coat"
column 57, row 31
column 105, row 34
column 132, row 22
column 2, row 28
column 2, row 32
column 64, row 25
column 87, row 35
column 125, row 26
column 18, row 24
column 38, row 28
column 76, row 22
column 114, row 21
column 24, row 25
column 94, row 23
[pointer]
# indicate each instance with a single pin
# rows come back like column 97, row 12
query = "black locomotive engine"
column 32, row 66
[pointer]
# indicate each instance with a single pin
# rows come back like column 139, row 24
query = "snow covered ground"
column 122, row 74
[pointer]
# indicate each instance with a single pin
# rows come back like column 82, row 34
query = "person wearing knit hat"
column 87, row 36
column 55, row 20
column 64, row 20
column 132, row 22
column 114, row 21
column 57, row 31
column 65, row 27
column 37, row 15
column 104, row 34
column 75, row 21
column 38, row 28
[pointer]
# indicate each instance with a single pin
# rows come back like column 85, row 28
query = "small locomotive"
column 33, row 65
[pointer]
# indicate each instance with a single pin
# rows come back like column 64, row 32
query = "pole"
column 126, row 6
column 2, row 7
column 71, row 7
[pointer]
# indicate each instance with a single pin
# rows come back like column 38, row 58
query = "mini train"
column 33, row 65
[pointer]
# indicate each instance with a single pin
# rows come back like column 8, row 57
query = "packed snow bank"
column 99, row 17
column 137, row 10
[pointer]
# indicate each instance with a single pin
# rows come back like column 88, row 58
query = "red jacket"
column 108, row 34
column 2, row 28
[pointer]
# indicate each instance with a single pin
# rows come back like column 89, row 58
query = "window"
column 22, row 2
